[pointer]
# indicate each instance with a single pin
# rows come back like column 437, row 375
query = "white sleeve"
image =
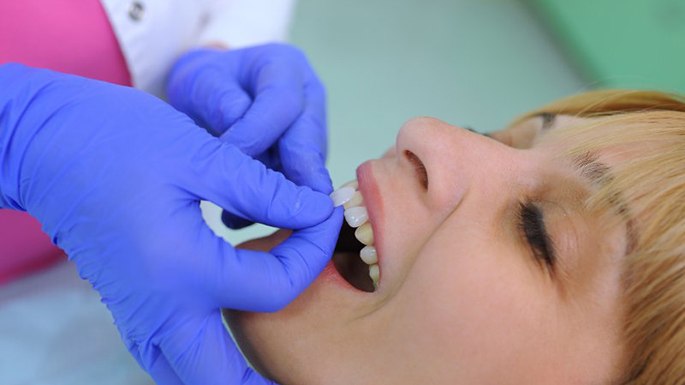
column 241, row 23
column 152, row 34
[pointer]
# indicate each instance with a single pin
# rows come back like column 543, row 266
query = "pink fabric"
column 72, row 36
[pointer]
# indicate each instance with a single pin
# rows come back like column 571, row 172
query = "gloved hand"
column 266, row 100
column 115, row 176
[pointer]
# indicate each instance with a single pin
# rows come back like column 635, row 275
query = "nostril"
column 420, row 169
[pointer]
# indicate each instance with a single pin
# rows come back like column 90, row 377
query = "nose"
column 455, row 161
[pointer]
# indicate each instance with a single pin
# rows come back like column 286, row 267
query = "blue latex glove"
column 115, row 176
column 266, row 100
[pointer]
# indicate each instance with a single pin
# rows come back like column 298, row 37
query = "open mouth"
column 347, row 262
column 355, row 257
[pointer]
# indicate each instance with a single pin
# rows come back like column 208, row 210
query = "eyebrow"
column 599, row 174
column 548, row 120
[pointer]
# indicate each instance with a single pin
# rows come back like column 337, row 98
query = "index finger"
column 278, row 101
column 303, row 147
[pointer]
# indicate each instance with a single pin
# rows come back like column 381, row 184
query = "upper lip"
column 374, row 206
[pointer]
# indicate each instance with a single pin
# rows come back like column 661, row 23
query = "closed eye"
column 532, row 227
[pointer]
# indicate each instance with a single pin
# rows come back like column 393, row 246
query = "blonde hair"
column 648, row 128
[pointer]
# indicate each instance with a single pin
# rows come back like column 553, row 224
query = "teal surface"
column 471, row 62
column 622, row 43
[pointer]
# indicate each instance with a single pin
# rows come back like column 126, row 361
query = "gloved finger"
column 245, row 187
column 260, row 281
column 303, row 147
column 271, row 160
column 210, row 96
column 278, row 101
column 219, row 103
column 231, row 104
column 162, row 372
column 203, row 353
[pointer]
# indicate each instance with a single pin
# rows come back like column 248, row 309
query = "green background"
column 476, row 63
column 627, row 43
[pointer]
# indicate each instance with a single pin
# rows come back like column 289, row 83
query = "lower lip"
column 373, row 203
column 330, row 273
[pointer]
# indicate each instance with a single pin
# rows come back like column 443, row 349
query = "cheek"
column 474, row 303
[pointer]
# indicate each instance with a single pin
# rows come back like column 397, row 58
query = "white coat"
column 154, row 33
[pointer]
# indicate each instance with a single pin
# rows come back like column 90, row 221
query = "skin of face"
column 463, row 298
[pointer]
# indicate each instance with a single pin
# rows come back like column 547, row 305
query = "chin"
column 284, row 345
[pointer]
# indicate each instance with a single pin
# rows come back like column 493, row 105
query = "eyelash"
column 532, row 226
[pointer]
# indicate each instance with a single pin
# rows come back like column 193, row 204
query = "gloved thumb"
column 268, row 281
column 222, row 174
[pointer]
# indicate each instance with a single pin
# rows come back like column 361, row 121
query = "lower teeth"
column 368, row 255
column 348, row 263
column 374, row 274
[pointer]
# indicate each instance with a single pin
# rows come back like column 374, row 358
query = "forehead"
column 566, row 137
column 525, row 132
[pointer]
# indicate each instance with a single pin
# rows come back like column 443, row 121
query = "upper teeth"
column 357, row 217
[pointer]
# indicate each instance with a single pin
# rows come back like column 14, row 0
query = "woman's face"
column 492, row 272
